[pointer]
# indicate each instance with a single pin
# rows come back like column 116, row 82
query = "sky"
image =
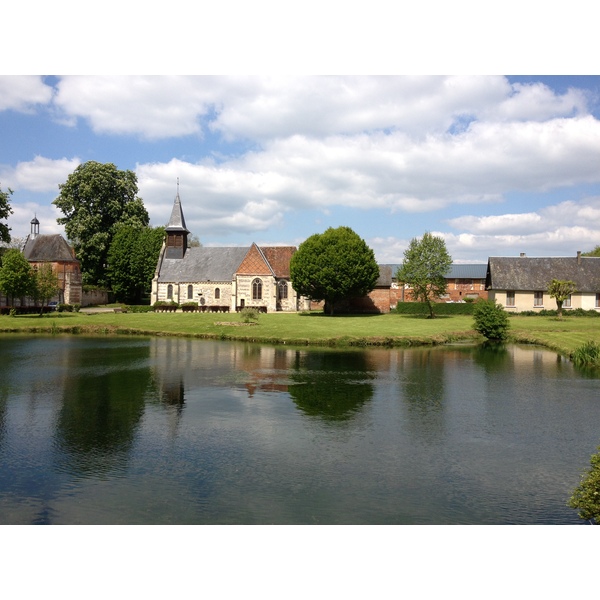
column 497, row 165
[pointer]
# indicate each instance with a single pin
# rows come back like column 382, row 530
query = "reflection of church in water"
column 329, row 385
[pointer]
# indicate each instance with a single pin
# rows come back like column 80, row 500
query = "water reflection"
column 128, row 430
column 103, row 402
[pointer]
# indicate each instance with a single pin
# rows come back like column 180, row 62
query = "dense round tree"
column 334, row 266
column 96, row 199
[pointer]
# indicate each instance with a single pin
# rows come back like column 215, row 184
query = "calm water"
column 138, row 430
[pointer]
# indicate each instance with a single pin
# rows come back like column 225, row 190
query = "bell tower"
column 35, row 228
column 176, row 231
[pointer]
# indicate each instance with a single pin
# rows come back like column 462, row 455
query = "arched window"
column 190, row 292
column 217, row 294
column 169, row 292
column 283, row 290
column 257, row 289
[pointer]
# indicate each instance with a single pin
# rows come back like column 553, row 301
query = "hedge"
column 440, row 308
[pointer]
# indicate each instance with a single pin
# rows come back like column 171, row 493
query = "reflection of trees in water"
column 424, row 390
column 100, row 412
column 492, row 356
column 333, row 386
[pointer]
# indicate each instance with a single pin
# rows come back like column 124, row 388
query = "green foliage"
column 132, row 259
column 594, row 252
column 249, row 314
column 426, row 262
column 586, row 497
column 17, row 278
column 46, row 285
column 334, row 266
column 561, row 290
column 5, row 210
column 442, row 308
column 491, row 320
column 587, row 355
column 96, row 199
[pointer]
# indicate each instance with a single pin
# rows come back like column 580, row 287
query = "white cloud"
column 22, row 93
column 263, row 108
column 39, row 175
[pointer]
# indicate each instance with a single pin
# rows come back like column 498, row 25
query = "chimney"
column 578, row 257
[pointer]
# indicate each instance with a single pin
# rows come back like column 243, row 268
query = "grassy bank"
column 312, row 329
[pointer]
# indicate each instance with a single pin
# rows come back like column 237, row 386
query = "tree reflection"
column 101, row 410
column 333, row 386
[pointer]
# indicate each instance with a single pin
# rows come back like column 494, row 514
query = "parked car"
column 52, row 305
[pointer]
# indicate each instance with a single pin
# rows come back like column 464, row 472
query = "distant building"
column 521, row 283
column 464, row 282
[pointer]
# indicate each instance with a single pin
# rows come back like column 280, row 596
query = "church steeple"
column 176, row 230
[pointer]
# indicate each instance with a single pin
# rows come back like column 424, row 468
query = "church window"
column 169, row 292
column 217, row 294
column 257, row 289
column 283, row 290
column 190, row 292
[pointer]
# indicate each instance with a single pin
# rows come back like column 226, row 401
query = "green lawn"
column 315, row 328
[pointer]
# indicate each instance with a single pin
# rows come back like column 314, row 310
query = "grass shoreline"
column 315, row 329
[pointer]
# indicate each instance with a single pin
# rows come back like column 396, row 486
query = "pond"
column 128, row 430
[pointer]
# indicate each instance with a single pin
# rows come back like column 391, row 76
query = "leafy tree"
column 426, row 263
column 16, row 275
column 491, row 320
column 132, row 259
column 96, row 199
column 561, row 290
column 594, row 252
column 333, row 266
column 5, row 210
column 46, row 285
column 586, row 497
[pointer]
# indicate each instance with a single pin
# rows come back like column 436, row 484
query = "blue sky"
column 496, row 164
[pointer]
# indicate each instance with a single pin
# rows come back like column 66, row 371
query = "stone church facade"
column 222, row 279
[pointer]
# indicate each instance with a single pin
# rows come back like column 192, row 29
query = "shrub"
column 64, row 308
column 586, row 497
column 491, row 320
column 249, row 314
column 587, row 355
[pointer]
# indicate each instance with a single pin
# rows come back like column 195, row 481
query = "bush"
column 587, row 355
column 249, row 314
column 586, row 497
column 491, row 320
column 138, row 308
column 64, row 308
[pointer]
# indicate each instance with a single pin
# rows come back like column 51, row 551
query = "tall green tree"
column 594, row 252
column 5, row 210
column 334, row 266
column 561, row 290
column 17, row 279
column 46, row 285
column 426, row 264
column 132, row 259
column 96, row 199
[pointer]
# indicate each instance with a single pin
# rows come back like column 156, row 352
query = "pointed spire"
column 35, row 227
column 177, row 221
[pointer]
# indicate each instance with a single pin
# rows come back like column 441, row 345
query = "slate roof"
column 48, row 248
column 177, row 221
column 535, row 274
column 471, row 271
column 203, row 264
column 457, row 271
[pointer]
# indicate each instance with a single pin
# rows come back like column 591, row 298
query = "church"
column 222, row 279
